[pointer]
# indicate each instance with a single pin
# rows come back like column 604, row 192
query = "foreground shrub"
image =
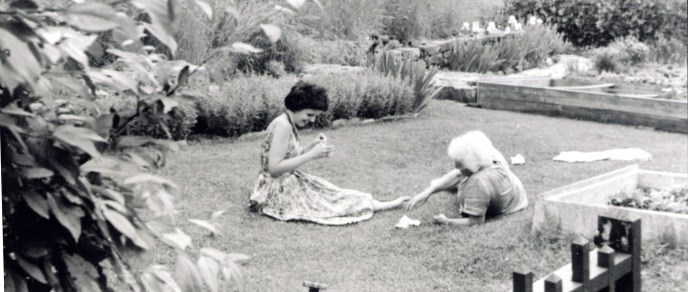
column 179, row 123
column 597, row 23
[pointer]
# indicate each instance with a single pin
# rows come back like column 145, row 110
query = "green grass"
column 400, row 158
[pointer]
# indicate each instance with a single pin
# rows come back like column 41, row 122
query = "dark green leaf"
column 84, row 273
column 70, row 82
column 34, row 249
column 123, row 225
column 63, row 162
column 68, row 215
column 161, row 20
column 81, row 138
column 23, row 4
column 14, row 282
column 37, row 203
column 92, row 16
column 32, row 269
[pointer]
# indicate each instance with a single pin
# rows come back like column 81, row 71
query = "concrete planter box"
column 574, row 208
column 598, row 102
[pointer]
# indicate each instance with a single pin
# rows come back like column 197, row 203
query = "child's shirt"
column 492, row 191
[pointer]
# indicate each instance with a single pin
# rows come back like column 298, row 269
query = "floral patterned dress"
column 300, row 196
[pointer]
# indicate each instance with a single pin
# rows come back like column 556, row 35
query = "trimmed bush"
column 366, row 95
column 340, row 52
column 248, row 104
column 599, row 22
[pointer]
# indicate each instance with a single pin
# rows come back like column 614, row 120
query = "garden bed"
column 573, row 208
column 609, row 103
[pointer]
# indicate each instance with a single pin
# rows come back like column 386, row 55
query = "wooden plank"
column 665, row 123
column 586, row 99
column 553, row 284
column 579, row 87
column 605, row 259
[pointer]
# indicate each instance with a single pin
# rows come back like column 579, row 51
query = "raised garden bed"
column 609, row 103
column 573, row 208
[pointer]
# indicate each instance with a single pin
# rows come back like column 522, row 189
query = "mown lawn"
column 400, row 158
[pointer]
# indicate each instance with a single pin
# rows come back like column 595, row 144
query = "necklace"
column 293, row 127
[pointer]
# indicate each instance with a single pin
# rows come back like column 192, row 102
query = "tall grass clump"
column 415, row 73
column 199, row 38
column 510, row 53
column 667, row 50
column 340, row 52
column 341, row 19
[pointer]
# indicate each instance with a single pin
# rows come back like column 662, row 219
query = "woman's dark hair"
column 305, row 95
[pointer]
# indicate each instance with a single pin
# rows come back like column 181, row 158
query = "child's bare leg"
column 380, row 206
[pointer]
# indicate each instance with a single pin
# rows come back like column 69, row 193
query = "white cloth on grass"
column 625, row 154
column 405, row 222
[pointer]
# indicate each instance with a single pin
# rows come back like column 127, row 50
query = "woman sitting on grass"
column 285, row 193
column 486, row 186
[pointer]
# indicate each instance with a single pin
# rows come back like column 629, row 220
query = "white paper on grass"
column 405, row 222
column 518, row 159
column 626, row 154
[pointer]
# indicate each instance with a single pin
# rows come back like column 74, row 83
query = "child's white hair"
column 475, row 151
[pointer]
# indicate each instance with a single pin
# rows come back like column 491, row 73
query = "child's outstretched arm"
column 468, row 221
column 277, row 165
column 447, row 181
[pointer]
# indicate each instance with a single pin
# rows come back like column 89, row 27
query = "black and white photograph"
column 344, row 145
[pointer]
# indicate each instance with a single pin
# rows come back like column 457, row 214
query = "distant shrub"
column 668, row 50
column 621, row 54
column 340, row 52
column 512, row 52
column 598, row 23
column 402, row 19
column 341, row 19
column 286, row 50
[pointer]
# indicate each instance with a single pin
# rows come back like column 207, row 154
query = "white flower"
column 532, row 20
column 518, row 27
column 476, row 26
column 466, row 26
column 538, row 21
column 507, row 30
column 512, row 19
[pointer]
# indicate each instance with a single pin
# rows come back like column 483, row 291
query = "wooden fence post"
column 553, row 283
column 631, row 281
column 580, row 262
column 605, row 259
column 314, row 287
column 523, row 280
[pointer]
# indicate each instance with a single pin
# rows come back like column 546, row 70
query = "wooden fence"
column 610, row 263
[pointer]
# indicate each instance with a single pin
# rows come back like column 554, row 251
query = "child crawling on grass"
column 285, row 193
column 486, row 186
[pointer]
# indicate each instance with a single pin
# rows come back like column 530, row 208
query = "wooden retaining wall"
column 663, row 114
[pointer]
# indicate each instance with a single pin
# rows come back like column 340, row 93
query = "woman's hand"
column 418, row 200
column 320, row 150
column 320, row 139
column 440, row 219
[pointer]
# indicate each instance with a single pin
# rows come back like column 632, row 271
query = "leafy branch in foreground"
column 73, row 188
